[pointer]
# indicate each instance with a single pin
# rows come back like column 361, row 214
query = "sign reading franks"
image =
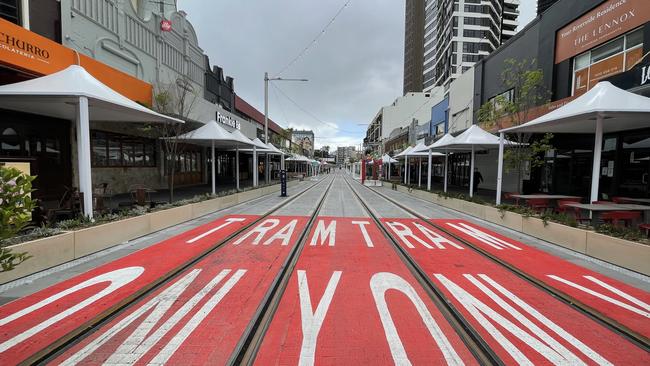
column 228, row 120
column 607, row 21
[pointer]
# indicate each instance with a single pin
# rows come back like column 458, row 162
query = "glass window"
column 581, row 61
column 607, row 50
column 634, row 39
column 109, row 149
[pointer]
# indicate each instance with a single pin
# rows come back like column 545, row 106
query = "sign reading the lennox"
column 228, row 121
column 603, row 23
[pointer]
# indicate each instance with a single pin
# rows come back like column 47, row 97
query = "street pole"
column 266, row 125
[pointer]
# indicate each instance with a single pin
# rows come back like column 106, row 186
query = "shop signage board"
column 228, row 120
column 166, row 25
column 607, row 21
column 37, row 55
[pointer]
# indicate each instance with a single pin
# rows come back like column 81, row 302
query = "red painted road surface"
column 626, row 304
column 32, row 323
column 521, row 323
column 198, row 318
column 352, row 301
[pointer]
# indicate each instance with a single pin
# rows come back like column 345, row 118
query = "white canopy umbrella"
column 446, row 139
column 256, row 147
column 404, row 154
column 213, row 135
column 73, row 93
column 604, row 108
column 419, row 151
column 386, row 159
column 473, row 138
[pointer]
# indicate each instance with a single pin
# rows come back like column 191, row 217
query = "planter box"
column 562, row 235
column 96, row 238
column 166, row 218
column 510, row 220
column 620, row 252
column 206, row 207
column 472, row 208
column 46, row 253
column 248, row 195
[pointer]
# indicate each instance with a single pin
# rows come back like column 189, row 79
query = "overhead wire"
column 313, row 41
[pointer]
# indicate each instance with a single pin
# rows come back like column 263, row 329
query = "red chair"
column 645, row 227
column 508, row 196
column 618, row 217
column 602, row 202
column 619, row 200
column 575, row 212
column 538, row 204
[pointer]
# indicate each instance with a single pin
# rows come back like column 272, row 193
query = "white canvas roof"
column 417, row 148
column 213, row 132
column 404, row 153
column 274, row 149
column 620, row 109
column 57, row 95
column 473, row 136
column 387, row 159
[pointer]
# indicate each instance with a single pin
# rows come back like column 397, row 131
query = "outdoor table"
column 638, row 200
column 543, row 196
column 597, row 209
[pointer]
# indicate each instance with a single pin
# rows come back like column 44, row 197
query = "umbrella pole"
column 388, row 170
column 255, row 172
column 214, row 187
column 429, row 173
column 471, row 175
column 406, row 168
column 500, row 169
column 598, row 145
column 446, row 165
column 237, row 166
column 83, row 156
column 419, row 172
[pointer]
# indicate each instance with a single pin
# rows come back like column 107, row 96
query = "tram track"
column 634, row 337
column 474, row 342
column 62, row 344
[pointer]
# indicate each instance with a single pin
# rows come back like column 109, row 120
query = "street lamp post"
column 266, row 117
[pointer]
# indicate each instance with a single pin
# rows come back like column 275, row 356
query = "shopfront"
column 593, row 41
column 47, row 144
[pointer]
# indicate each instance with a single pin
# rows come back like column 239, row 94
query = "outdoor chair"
column 646, row 228
column 616, row 218
column 574, row 212
column 140, row 194
column 538, row 204
column 101, row 194
column 68, row 207
column 508, row 196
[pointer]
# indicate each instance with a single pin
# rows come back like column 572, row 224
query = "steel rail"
column 633, row 336
column 75, row 336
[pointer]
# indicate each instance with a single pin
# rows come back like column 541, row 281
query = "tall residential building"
column 542, row 5
column 413, row 46
column 457, row 33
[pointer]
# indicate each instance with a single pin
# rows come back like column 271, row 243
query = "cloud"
column 353, row 69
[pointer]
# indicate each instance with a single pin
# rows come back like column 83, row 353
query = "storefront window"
column 612, row 58
column 109, row 149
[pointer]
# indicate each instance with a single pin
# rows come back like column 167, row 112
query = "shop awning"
column 619, row 109
column 74, row 94
column 57, row 95
column 605, row 108
column 213, row 135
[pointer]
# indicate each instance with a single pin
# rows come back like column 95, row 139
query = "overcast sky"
column 354, row 68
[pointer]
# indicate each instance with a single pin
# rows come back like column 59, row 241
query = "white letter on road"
column 260, row 229
column 404, row 232
column 384, row 281
column 323, row 233
column 364, row 232
column 116, row 279
column 228, row 222
column 312, row 321
column 283, row 234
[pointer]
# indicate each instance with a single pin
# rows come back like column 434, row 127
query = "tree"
column 525, row 91
column 176, row 100
column 16, row 206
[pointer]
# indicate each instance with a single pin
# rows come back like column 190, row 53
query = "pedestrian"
column 478, row 178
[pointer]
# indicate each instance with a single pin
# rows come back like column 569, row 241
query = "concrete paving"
column 38, row 281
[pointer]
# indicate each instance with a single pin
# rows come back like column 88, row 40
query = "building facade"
column 458, row 33
column 413, row 46
column 576, row 45
column 305, row 139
